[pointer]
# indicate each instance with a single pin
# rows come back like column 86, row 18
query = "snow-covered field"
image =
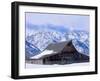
column 30, row 66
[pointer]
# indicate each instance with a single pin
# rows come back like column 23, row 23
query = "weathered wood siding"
column 35, row 61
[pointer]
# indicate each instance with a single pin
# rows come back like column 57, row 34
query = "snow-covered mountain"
column 80, row 40
column 41, row 39
column 79, row 35
column 30, row 50
column 81, row 47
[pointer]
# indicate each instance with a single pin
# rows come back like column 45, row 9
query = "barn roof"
column 52, row 49
column 57, row 48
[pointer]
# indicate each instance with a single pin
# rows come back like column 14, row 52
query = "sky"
column 59, row 22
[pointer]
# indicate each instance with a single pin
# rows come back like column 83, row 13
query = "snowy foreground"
column 30, row 66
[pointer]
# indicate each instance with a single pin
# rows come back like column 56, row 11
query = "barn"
column 60, row 53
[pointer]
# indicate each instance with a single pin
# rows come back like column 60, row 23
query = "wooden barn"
column 59, row 53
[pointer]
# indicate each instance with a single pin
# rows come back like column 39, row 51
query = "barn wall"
column 66, row 58
column 61, row 58
column 35, row 61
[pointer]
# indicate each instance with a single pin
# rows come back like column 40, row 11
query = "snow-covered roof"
column 45, row 52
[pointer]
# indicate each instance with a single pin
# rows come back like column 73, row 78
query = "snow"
column 41, row 39
column 46, row 52
column 81, row 47
column 31, row 66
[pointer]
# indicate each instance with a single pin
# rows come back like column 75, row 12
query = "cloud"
column 59, row 22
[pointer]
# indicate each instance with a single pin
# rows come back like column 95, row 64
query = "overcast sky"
column 61, row 22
